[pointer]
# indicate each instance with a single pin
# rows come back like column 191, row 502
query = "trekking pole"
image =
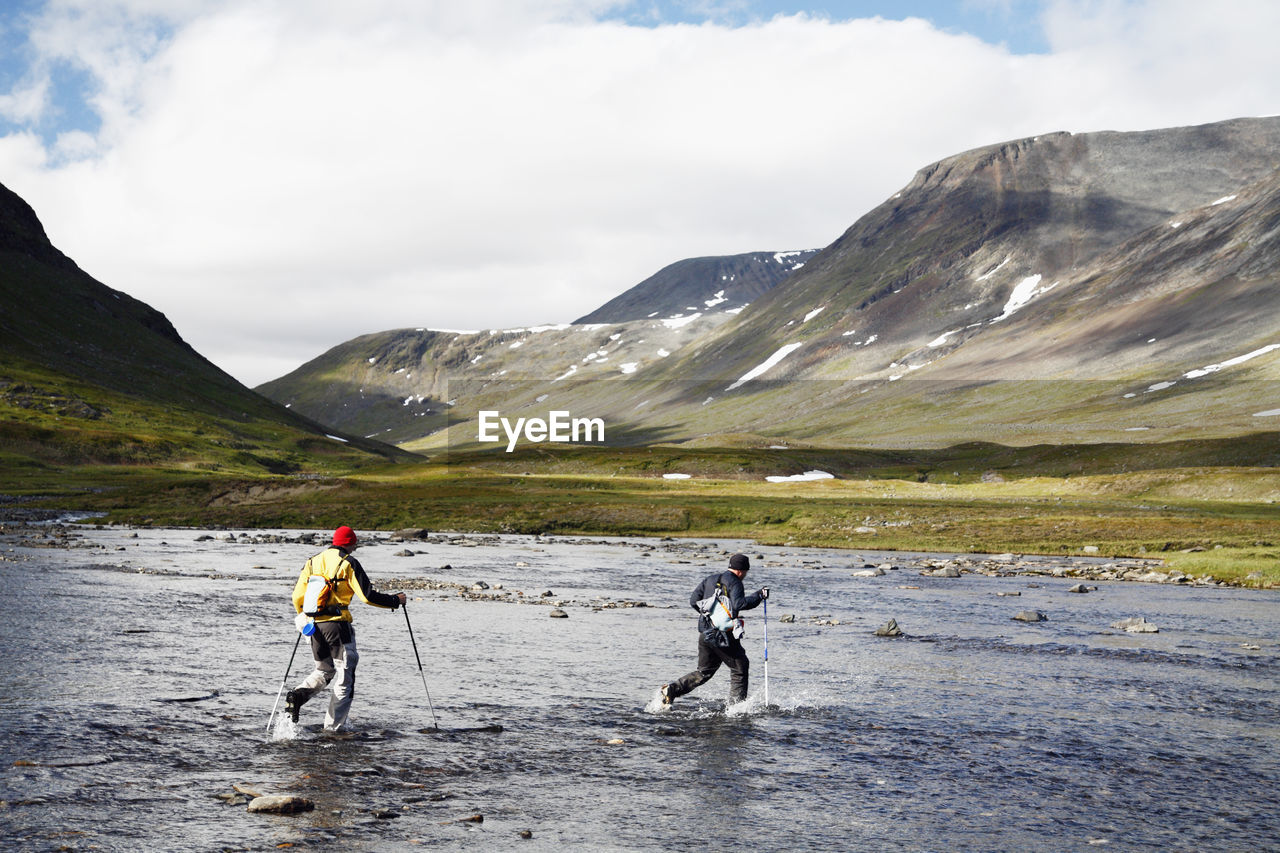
column 283, row 684
column 766, row 651
column 434, row 724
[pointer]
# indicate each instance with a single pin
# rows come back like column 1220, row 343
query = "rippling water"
column 974, row 732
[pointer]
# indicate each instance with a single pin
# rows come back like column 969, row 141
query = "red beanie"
column 344, row 537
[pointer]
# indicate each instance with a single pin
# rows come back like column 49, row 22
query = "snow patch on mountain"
column 680, row 320
column 1231, row 362
column 1023, row 293
column 1212, row 368
column 768, row 363
column 942, row 339
column 782, row 258
column 994, row 270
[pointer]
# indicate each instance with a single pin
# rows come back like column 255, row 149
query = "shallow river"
column 973, row 732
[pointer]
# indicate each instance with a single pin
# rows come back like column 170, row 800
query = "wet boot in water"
column 292, row 704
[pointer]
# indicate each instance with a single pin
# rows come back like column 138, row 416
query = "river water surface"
column 141, row 667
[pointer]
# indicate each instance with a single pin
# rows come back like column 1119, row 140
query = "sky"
column 280, row 176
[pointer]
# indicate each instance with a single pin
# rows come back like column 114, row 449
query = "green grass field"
column 1220, row 521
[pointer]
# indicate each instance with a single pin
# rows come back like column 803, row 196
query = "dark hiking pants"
column 709, row 659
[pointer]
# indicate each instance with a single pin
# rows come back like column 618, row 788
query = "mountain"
column 951, row 249
column 1061, row 288
column 698, row 284
column 89, row 374
column 398, row 385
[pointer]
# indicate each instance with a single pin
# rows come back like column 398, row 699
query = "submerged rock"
column 558, row 614
column 1082, row 588
column 869, row 573
column 787, row 617
column 281, row 804
column 1031, row 616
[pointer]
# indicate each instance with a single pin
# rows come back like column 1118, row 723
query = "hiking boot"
column 666, row 696
column 291, row 705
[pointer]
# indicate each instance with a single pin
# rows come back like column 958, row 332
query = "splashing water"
column 284, row 728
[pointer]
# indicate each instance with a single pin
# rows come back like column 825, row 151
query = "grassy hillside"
column 92, row 379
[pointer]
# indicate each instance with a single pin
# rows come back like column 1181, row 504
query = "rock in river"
column 1136, row 625
column 281, row 804
column 1031, row 616
column 889, row 629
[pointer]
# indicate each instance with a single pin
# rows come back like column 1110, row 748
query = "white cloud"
column 278, row 177
column 25, row 102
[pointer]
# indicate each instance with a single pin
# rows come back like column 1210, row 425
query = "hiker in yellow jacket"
column 323, row 592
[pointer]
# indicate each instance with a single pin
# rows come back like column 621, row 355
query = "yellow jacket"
column 351, row 580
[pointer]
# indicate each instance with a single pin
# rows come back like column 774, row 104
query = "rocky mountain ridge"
column 1041, row 289
column 727, row 283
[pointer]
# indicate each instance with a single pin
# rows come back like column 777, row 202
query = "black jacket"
column 738, row 600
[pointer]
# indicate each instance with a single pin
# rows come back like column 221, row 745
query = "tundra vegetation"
column 1193, row 504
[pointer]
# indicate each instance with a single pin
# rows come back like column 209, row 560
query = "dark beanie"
column 739, row 562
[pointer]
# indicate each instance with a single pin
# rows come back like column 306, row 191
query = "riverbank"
column 1214, row 526
column 38, row 528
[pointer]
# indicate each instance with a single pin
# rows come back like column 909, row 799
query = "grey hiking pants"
column 709, row 659
column 333, row 646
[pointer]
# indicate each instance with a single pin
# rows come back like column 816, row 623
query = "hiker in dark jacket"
column 717, row 646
